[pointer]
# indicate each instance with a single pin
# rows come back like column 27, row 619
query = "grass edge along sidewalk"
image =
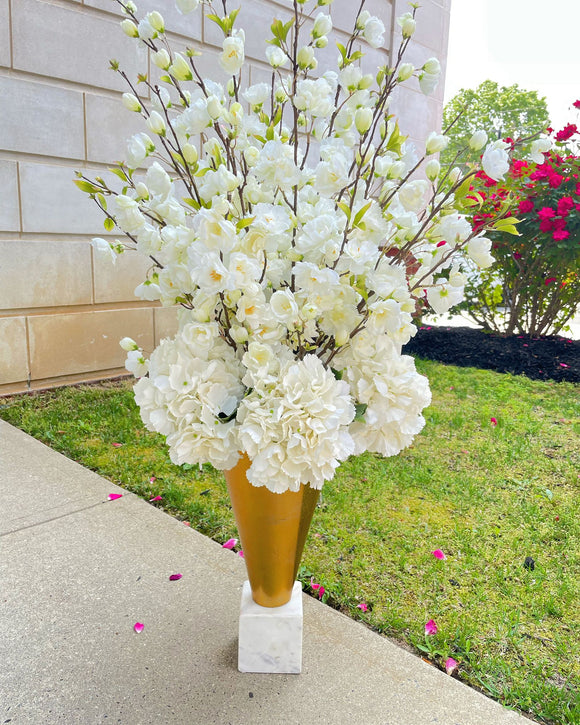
column 492, row 483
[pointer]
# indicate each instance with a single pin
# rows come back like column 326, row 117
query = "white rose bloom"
column 393, row 392
column 539, row 147
column 138, row 148
column 452, row 228
column 374, row 32
column 412, row 194
column 314, row 97
column 232, row 57
column 495, row 160
column 194, row 120
column 276, row 166
column 284, row 306
column 186, row 6
column 158, row 181
column 478, row 140
column 297, row 432
column 257, row 94
column 443, row 296
column 128, row 215
column 104, row 249
column 479, row 249
column 428, row 82
column 332, row 175
column 136, row 363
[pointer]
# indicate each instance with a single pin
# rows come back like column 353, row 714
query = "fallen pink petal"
column 430, row 627
column 563, row 365
column 451, row 666
column 175, row 577
column 138, row 627
column 313, row 585
column 321, row 591
column 241, row 553
column 156, row 498
column 116, row 445
column 114, row 496
column 230, row 543
column 363, row 606
column 438, row 554
column 186, row 523
column 493, row 421
column 152, row 479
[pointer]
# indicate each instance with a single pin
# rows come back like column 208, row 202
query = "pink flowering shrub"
column 534, row 286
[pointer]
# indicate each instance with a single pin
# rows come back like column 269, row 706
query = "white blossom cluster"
column 292, row 224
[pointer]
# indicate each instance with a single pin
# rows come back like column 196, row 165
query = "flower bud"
column 146, row 30
column 478, row 140
column 161, row 59
column 156, row 123
column 190, row 153
column 235, row 114
column 239, row 334
column 407, row 24
column 321, row 42
column 156, row 21
column 129, row 28
column 131, row 102
column 128, row 344
column 214, row 107
column 142, row 190
column 305, row 58
column 252, row 155
column 180, row 68
column 406, row 70
column 432, row 169
column 455, row 175
column 231, row 87
column 366, row 82
column 186, row 6
column 432, row 66
column 362, row 19
column 363, row 119
column 435, row 143
column 130, row 7
column 276, row 56
column 322, row 25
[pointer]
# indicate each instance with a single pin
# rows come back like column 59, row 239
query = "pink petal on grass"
column 241, row 553
column 451, row 666
column 114, row 496
column 313, row 585
column 438, row 554
column 363, row 606
column 152, row 479
column 430, row 627
column 321, row 591
column 563, row 365
column 138, row 627
column 186, row 523
column 493, row 421
column 175, row 577
column 230, row 543
column 116, row 445
column 156, row 498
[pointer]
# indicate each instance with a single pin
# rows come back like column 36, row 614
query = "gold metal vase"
column 273, row 529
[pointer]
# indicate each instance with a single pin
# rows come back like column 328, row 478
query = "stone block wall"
column 62, row 308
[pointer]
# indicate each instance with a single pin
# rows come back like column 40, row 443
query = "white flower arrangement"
column 290, row 223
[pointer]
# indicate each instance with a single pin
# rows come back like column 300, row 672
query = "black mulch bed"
column 545, row 358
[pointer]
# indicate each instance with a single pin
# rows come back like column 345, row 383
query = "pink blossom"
column 317, row 588
column 430, row 627
column 156, row 498
column 115, row 496
column 152, row 479
column 438, row 554
column 175, row 577
column 363, row 606
column 451, row 666
column 138, row 627
column 493, row 421
column 230, row 543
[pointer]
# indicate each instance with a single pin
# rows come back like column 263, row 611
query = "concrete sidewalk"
column 77, row 571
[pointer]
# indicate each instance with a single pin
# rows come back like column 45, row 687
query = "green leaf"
column 86, row 186
column 345, row 208
column 337, row 373
column 191, row 202
column 102, row 201
column 109, row 224
column 270, row 133
column 360, row 214
column 360, row 410
column 243, row 223
column 218, row 21
column 119, row 173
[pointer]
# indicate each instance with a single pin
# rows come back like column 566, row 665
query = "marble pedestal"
column 270, row 637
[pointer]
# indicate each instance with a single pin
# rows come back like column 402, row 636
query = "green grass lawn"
column 488, row 496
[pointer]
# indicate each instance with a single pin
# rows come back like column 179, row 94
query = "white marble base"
column 270, row 637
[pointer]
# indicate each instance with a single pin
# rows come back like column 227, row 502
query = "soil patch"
column 544, row 358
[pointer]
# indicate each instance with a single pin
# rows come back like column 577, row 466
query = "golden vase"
column 273, row 529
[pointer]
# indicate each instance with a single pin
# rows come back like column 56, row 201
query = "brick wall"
column 63, row 309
